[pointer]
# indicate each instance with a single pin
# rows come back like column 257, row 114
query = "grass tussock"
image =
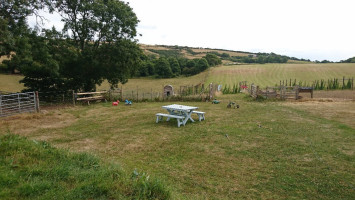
column 32, row 169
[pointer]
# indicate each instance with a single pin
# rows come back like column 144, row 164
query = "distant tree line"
column 168, row 67
column 349, row 60
column 260, row 58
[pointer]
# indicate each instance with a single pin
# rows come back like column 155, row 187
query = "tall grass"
column 227, row 89
column 35, row 170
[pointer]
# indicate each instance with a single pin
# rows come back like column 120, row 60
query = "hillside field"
column 260, row 74
column 263, row 150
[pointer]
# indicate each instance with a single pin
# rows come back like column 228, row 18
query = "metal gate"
column 11, row 104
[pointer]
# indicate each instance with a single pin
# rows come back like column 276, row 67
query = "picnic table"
column 181, row 113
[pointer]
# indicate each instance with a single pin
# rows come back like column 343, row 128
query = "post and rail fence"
column 281, row 92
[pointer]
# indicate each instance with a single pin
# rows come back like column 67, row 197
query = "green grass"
column 271, row 74
column 35, row 170
column 264, row 150
column 260, row 74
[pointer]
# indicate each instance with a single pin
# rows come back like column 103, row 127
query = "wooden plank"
column 87, row 93
column 90, row 98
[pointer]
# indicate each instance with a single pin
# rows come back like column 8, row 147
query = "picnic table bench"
column 90, row 96
column 200, row 114
column 179, row 118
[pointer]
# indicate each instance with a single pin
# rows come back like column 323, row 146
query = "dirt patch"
column 25, row 124
column 330, row 95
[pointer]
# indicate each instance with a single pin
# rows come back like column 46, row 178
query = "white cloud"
column 315, row 29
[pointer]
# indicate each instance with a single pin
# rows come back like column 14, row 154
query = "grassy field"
column 271, row 74
column 10, row 83
column 263, row 150
column 262, row 75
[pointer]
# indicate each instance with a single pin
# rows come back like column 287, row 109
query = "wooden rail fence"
column 282, row 92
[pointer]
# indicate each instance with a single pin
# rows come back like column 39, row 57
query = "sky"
column 310, row 29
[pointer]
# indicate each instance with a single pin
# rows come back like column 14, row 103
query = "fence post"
column 37, row 102
column 151, row 94
column 73, row 97
column 0, row 104
column 343, row 83
column 137, row 93
column 210, row 93
column 352, row 84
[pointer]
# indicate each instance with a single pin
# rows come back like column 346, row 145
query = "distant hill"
column 227, row 56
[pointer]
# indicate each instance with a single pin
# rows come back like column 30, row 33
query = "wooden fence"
column 191, row 91
column 11, row 104
column 282, row 92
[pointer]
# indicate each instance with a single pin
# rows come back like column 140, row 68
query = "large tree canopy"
column 96, row 43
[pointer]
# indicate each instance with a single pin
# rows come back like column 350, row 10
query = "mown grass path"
column 259, row 151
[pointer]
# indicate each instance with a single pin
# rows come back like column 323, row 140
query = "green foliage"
column 231, row 90
column 190, row 51
column 162, row 68
column 100, row 46
column 13, row 26
column 36, row 170
column 212, row 59
column 260, row 58
column 202, row 65
column 349, row 60
column 167, row 53
column 175, row 67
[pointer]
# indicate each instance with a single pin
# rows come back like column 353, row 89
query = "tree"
column 162, row 68
column 202, row 65
column 175, row 67
column 212, row 59
column 191, row 64
column 99, row 45
column 14, row 29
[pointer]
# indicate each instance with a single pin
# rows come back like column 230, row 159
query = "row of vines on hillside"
column 330, row 84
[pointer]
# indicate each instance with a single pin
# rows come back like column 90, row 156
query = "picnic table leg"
column 187, row 117
column 159, row 118
column 171, row 112
column 180, row 122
